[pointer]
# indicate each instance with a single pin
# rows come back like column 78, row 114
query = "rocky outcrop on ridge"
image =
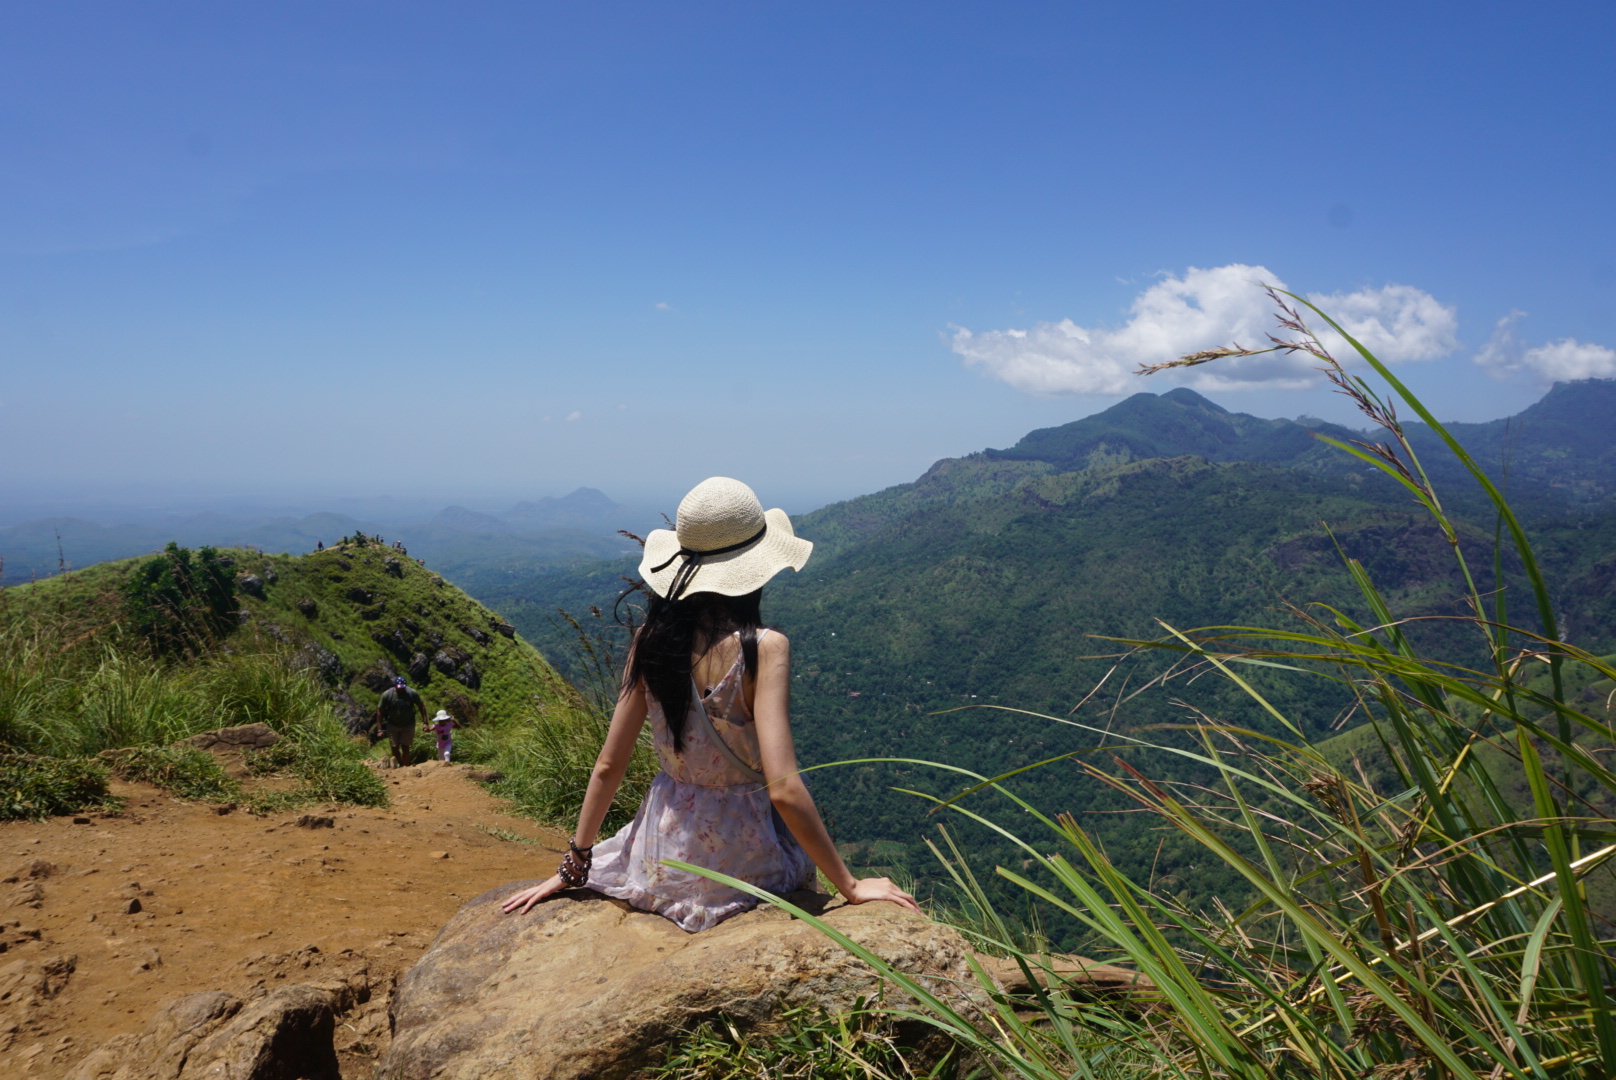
column 242, row 738
column 584, row 986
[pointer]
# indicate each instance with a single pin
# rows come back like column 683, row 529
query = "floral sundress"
column 702, row 810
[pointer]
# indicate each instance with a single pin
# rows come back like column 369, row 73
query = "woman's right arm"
column 611, row 765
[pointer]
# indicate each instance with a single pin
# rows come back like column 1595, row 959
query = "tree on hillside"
column 178, row 600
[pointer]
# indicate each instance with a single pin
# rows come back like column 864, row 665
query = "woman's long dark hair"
column 676, row 630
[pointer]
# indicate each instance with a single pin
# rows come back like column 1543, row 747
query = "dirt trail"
column 236, row 903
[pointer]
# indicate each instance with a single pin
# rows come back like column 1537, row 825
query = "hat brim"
column 734, row 573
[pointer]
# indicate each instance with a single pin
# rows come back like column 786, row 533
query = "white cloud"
column 575, row 415
column 1506, row 355
column 663, row 305
column 1201, row 310
column 1398, row 323
column 1569, row 358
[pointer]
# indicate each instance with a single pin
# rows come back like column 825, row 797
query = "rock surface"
column 244, row 737
column 583, row 986
column 34, row 868
column 286, row 1035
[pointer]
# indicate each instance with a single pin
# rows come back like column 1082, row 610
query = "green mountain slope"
column 1559, row 450
column 1000, row 600
column 1564, row 442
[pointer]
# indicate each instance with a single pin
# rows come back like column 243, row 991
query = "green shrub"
column 183, row 771
column 332, row 770
column 33, row 788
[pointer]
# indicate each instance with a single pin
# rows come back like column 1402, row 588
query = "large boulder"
column 583, row 986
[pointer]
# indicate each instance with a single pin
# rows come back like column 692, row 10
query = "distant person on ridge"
column 396, row 715
column 716, row 687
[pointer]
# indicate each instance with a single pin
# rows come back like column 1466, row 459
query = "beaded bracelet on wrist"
column 574, row 868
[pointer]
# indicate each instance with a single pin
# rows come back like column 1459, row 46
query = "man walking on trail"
column 396, row 714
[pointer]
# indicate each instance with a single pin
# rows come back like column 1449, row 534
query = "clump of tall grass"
column 67, row 695
column 862, row 1043
column 1427, row 918
column 546, row 756
column 546, row 760
column 33, row 788
column 76, row 700
column 181, row 770
column 330, row 765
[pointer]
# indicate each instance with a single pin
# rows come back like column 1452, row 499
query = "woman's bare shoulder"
column 774, row 644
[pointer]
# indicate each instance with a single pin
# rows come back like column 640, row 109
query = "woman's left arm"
column 772, row 714
column 610, row 767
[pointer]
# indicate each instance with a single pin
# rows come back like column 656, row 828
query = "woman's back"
column 702, row 760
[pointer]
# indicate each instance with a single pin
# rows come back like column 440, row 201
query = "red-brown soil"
column 236, row 903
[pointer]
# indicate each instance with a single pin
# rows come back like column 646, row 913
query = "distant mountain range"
column 545, row 532
column 1563, row 441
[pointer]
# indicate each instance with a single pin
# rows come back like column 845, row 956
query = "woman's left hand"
column 523, row 901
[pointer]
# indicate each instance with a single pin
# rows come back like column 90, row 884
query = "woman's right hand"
column 880, row 888
column 522, row 902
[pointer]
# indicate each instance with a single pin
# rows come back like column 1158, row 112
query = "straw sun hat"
column 722, row 542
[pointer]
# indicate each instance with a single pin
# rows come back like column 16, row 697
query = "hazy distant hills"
column 585, row 509
column 545, row 533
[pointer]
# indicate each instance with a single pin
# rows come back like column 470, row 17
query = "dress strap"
column 698, row 716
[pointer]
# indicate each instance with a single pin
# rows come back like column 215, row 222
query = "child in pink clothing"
column 443, row 725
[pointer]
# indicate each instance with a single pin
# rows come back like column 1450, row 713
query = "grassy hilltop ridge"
column 361, row 614
column 108, row 669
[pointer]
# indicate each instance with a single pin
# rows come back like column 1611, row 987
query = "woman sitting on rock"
column 717, row 688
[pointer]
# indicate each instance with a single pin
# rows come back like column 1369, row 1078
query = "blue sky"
column 307, row 250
